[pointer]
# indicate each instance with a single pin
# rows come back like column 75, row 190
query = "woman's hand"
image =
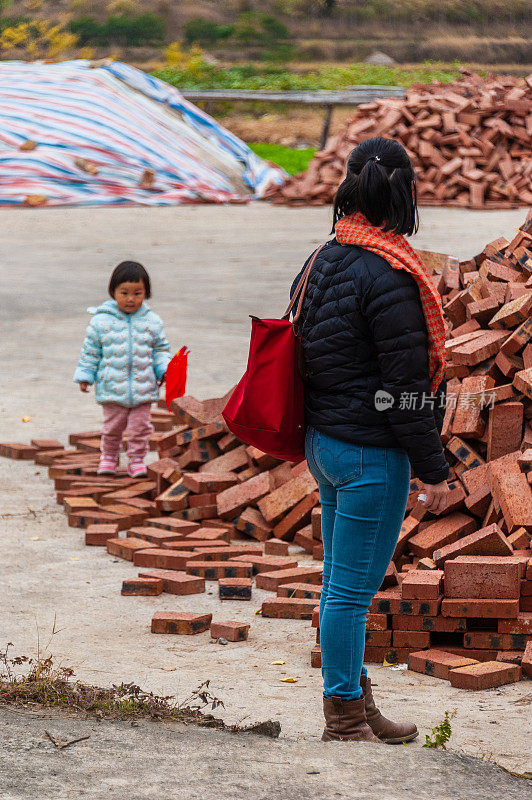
column 436, row 496
column 84, row 386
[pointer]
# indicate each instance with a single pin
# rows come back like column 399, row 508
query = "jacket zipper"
column 130, row 361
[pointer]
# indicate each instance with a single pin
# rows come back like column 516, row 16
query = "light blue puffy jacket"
column 124, row 355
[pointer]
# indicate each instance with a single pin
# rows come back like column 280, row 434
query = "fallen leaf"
column 169, row 669
column 278, row 663
column 35, row 538
column 288, row 680
column 74, row 558
column 26, row 419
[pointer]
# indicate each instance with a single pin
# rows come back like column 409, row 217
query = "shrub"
column 205, row 31
column 143, row 29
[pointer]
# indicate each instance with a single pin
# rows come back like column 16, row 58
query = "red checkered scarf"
column 355, row 229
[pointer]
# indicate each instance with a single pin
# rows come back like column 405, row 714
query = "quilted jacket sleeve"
column 91, row 355
column 392, row 306
column 161, row 352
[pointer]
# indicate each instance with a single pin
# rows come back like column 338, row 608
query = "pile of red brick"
column 470, row 143
column 459, row 582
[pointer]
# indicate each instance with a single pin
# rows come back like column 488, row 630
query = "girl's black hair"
column 129, row 272
column 381, row 184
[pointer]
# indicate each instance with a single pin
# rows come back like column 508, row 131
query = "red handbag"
column 266, row 409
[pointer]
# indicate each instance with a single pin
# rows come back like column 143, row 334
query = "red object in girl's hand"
column 176, row 376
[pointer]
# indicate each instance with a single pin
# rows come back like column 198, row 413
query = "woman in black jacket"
column 372, row 413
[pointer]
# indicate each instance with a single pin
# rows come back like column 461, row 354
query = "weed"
column 44, row 684
column 441, row 733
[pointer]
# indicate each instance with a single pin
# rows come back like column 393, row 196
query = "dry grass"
column 38, row 682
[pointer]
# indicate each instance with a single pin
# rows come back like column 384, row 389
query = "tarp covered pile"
column 79, row 133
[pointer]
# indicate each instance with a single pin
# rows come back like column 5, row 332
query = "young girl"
column 125, row 354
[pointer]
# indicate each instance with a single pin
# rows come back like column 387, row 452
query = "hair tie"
column 374, row 158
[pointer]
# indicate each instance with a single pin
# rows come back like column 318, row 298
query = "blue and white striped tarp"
column 109, row 135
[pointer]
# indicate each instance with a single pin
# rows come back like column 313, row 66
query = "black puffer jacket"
column 363, row 329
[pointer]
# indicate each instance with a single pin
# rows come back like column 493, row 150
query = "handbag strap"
column 301, row 289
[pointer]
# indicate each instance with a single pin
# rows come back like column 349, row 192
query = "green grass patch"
column 207, row 76
column 290, row 159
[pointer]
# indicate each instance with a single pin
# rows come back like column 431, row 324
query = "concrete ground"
column 173, row 761
column 211, row 267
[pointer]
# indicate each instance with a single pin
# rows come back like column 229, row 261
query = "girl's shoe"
column 137, row 469
column 345, row 720
column 107, row 465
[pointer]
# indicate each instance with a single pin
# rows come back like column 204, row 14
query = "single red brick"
column 231, row 502
column 276, row 547
column 240, row 552
column 483, row 577
column 437, row 663
column 288, row 608
column 18, row 451
column 404, row 622
column 526, row 662
column 489, row 541
column 213, row 570
column 272, row 580
column 422, row 585
column 484, row 609
column 490, row 640
column 484, row 675
column 267, row 563
column 526, row 589
column 440, row 533
column 316, row 617
column 197, row 546
column 125, row 548
column 235, row 588
column 378, row 638
column 252, row 523
column 315, row 657
column 298, row 517
column 202, row 482
column 303, row 538
column 390, row 577
column 510, row 657
column 172, row 524
column 376, row 622
column 232, row 631
column 142, row 586
column 393, row 655
column 415, row 639
column 180, row 622
column 175, row 582
column 162, row 559
column 522, row 624
column 317, row 552
column 274, row 505
column 315, row 520
column 99, row 534
column 305, row 590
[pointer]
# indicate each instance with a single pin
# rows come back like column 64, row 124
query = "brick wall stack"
column 469, row 141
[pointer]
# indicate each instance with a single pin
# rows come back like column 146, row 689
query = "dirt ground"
column 211, row 267
column 291, row 128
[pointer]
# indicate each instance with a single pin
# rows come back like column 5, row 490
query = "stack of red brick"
column 470, row 143
column 445, row 588
column 186, row 522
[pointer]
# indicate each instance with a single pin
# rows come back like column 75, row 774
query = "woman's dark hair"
column 129, row 272
column 379, row 184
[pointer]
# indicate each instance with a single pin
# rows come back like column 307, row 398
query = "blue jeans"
column 363, row 491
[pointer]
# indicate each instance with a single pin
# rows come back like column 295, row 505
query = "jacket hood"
column 111, row 307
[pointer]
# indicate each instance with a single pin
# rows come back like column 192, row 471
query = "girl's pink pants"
column 139, row 429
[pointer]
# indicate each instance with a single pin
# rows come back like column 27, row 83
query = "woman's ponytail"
column 380, row 184
column 374, row 191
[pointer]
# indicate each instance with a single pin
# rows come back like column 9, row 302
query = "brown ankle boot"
column 384, row 729
column 346, row 720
